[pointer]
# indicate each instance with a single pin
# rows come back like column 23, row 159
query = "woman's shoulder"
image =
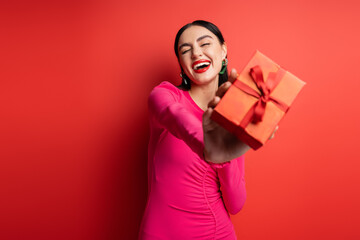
column 163, row 95
column 167, row 88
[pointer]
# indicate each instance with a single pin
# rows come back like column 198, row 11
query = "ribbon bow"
column 256, row 112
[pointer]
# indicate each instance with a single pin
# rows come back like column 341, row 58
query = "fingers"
column 206, row 117
column 208, row 124
column 276, row 128
column 225, row 86
column 233, row 75
column 273, row 134
column 214, row 102
column 222, row 89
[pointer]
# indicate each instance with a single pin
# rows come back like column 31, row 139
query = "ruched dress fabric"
column 188, row 198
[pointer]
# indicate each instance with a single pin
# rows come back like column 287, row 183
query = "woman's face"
column 201, row 54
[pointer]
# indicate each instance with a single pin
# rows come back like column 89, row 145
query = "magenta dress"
column 188, row 198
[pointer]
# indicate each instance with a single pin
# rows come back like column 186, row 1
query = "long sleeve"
column 232, row 184
column 184, row 198
column 174, row 117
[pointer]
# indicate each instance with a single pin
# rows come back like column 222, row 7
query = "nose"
column 196, row 52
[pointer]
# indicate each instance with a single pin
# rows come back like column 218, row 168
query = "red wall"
column 74, row 80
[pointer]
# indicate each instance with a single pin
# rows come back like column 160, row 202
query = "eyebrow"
column 199, row 39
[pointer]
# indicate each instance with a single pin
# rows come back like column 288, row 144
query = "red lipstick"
column 200, row 70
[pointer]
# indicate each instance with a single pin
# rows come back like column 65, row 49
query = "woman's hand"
column 220, row 145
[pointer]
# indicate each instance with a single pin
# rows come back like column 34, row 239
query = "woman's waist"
column 181, row 191
column 207, row 219
column 193, row 199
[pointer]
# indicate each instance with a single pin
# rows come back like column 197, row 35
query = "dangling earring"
column 185, row 82
column 224, row 65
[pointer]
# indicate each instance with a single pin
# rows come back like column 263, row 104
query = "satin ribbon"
column 256, row 112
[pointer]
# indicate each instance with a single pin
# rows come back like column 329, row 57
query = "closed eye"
column 205, row 44
column 183, row 52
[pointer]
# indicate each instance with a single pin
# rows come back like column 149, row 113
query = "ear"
column 224, row 50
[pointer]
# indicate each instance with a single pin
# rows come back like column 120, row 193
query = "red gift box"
column 257, row 100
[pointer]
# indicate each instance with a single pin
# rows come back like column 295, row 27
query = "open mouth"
column 201, row 66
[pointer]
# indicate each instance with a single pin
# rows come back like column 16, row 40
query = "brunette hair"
column 212, row 28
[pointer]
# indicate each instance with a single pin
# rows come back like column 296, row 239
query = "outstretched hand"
column 220, row 145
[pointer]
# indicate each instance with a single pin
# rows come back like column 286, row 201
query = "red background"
column 74, row 80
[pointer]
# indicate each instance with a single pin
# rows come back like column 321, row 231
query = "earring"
column 224, row 65
column 184, row 80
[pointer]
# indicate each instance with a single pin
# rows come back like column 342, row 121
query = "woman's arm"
column 219, row 144
column 232, row 184
column 173, row 116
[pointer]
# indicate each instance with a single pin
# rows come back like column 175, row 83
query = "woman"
column 195, row 167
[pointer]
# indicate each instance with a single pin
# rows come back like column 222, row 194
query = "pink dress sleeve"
column 232, row 184
column 169, row 113
column 174, row 117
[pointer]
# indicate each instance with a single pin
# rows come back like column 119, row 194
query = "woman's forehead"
column 193, row 33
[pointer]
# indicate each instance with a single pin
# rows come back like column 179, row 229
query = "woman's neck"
column 203, row 94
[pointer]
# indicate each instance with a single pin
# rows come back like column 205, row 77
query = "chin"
column 204, row 80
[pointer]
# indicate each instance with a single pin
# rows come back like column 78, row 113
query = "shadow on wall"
column 126, row 173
